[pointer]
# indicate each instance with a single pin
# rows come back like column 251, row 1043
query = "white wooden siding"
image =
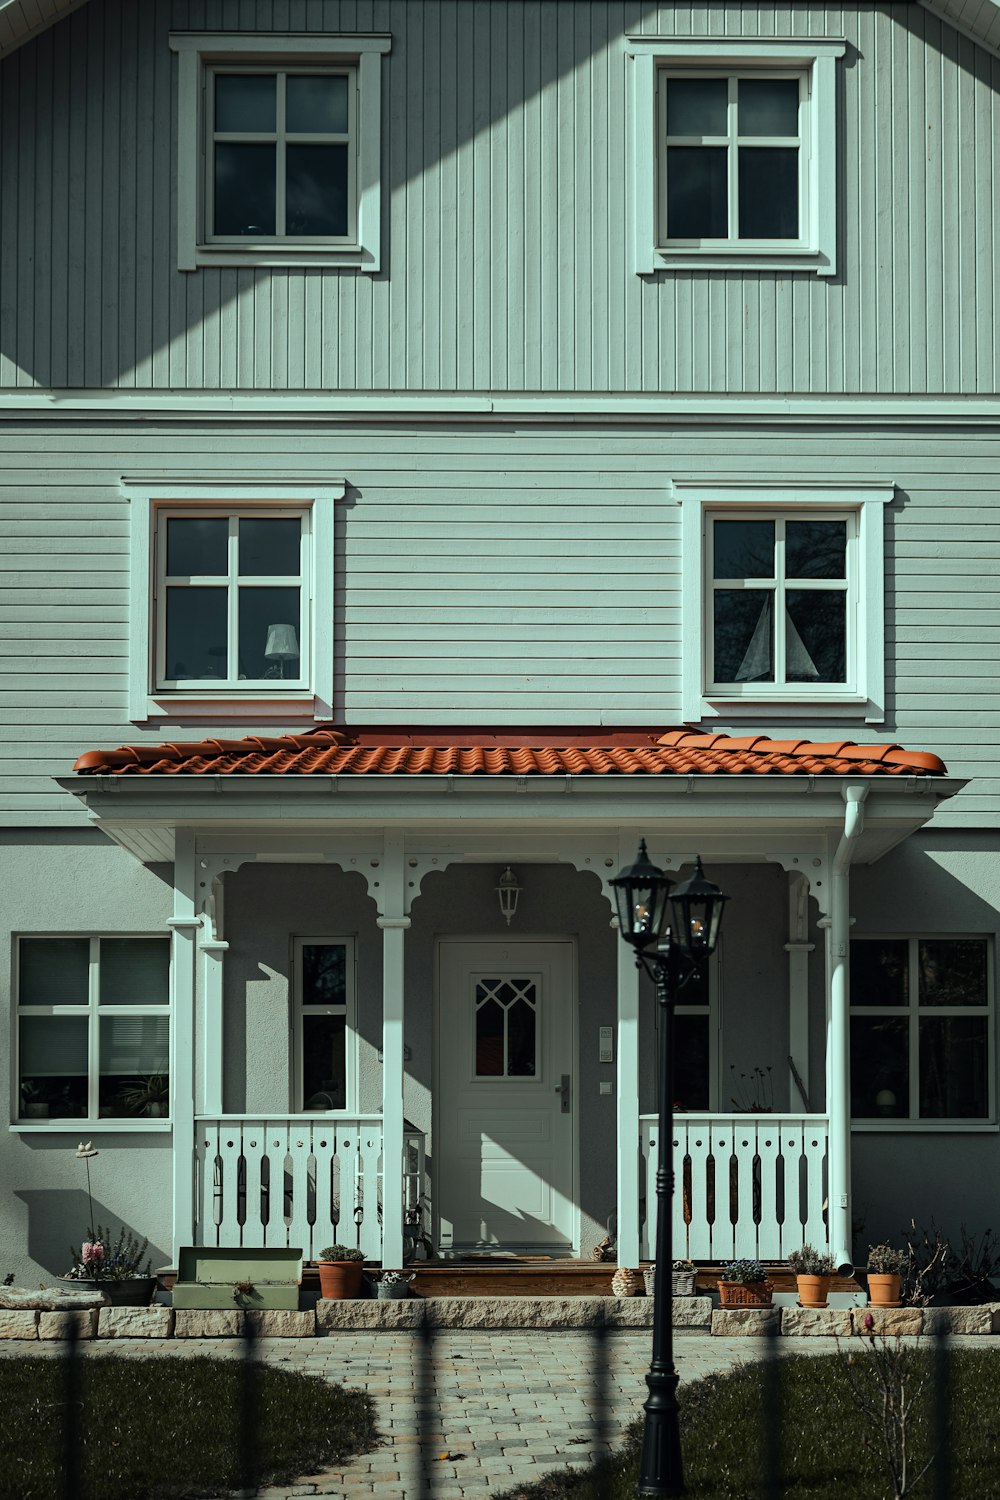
column 504, row 163
column 492, row 575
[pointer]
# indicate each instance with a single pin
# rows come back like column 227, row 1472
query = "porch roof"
column 333, row 751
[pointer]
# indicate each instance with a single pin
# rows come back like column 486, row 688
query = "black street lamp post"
column 670, row 934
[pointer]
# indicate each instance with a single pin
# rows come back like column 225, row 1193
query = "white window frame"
column 864, row 693
column 312, row 696
column 199, row 54
column 94, row 1011
column 815, row 62
column 298, row 1010
column 912, row 1012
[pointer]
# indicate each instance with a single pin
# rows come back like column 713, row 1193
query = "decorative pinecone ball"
column 626, row 1283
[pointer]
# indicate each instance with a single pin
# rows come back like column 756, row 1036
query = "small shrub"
column 341, row 1252
column 885, row 1260
column 810, row 1262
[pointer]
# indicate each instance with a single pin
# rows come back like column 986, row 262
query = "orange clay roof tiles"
column 578, row 752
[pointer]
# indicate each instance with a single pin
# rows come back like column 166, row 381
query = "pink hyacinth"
column 92, row 1250
column 869, row 1322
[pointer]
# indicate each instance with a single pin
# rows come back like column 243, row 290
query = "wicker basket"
column 745, row 1293
column 682, row 1283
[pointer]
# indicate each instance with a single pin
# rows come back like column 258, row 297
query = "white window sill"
column 342, row 257
column 91, row 1127
column 282, row 706
column 794, row 259
column 850, row 706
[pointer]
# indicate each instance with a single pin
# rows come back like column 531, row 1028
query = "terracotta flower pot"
column 883, row 1291
column 340, row 1278
column 745, row 1293
column 813, row 1290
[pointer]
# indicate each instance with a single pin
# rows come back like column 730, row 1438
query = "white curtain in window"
column 757, row 664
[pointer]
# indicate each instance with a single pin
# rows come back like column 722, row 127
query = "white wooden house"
column 450, row 439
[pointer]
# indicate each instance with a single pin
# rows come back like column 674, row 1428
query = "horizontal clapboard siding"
column 507, row 207
column 492, row 575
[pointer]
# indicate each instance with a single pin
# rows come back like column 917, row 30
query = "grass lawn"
column 169, row 1427
column 826, row 1447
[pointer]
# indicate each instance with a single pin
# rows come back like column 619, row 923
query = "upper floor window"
column 921, row 1029
column 279, row 149
column 782, row 598
column 734, row 153
column 231, row 598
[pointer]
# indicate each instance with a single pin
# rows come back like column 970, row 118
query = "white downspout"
column 838, row 1070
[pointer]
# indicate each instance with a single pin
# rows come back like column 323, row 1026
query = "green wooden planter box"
column 206, row 1277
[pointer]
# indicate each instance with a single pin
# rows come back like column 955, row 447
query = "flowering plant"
column 103, row 1258
column 389, row 1278
column 744, row 1272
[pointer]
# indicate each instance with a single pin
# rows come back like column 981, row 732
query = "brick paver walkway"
column 505, row 1406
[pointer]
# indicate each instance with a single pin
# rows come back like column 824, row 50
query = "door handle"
column 562, row 1088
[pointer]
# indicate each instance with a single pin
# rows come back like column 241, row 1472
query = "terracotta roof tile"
column 578, row 752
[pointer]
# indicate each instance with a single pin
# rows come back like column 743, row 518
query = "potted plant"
column 682, row 1278
column 744, row 1283
column 340, row 1270
column 146, row 1096
column 120, row 1268
column 885, row 1275
column 812, row 1270
column 392, row 1286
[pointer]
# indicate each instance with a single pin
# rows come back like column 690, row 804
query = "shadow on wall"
column 58, row 1219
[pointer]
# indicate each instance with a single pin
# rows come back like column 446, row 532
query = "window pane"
column 697, row 194
column 744, row 636
column 53, row 1066
column 316, row 105
column 244, row 189
column 134, row 1078
column 316, row 190
column 697, row 106
column 196, row 633
column 815, row 549
column 952, row 971
column 198, row 547
column 880, row 972
column 324, row 974
column 879, row 1083
column 54, row 971
column 324, row 1062
column 691, row 1061
column 269, row 547
column 953, row 1073
column 816, row 635
column 269, row 633
column 134, row 971
column 768, row 106
column 521, row 1043
column 743, row 549
column 245, row 101
column 489, row 1039
column 769, row 193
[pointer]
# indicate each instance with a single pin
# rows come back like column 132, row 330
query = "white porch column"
column 393, row 922
column 211, row 973
column 798, row 949
column 628, row 1086
column 838, row 1068
column 184, row 924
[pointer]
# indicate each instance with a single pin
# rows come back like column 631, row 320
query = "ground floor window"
column 324, row 1024
column 921, row 1028
column 93, row 1027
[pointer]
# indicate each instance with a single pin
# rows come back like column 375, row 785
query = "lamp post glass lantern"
column 667, row 952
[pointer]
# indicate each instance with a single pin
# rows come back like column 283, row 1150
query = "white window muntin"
column 233, row 581
column 281, row 137
column 732, row 141
column 778, row 585
column 93, row 1011
column 348, row 1010
column 914, row 1011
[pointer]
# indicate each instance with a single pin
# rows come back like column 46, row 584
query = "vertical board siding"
column 492, row 575
column 507, row 262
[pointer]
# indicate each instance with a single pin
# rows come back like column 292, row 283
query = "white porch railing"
column 297, row 1180
column 744, row 1185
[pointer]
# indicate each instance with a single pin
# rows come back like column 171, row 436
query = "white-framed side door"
column 505, row 1097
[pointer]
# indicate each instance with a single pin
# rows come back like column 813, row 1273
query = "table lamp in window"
column 281, row 647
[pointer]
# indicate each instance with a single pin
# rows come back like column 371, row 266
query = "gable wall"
column 506, row 264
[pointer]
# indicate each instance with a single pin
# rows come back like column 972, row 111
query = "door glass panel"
column 691, row 1070
column 489, row 1036
column 521, row 1040
column 54, row 971
column 197, row 547
column 697, row 106
column 324, row 1062
column 324, row 974
column 196, row 633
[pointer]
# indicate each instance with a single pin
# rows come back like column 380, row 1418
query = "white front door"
column 505, row 1095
